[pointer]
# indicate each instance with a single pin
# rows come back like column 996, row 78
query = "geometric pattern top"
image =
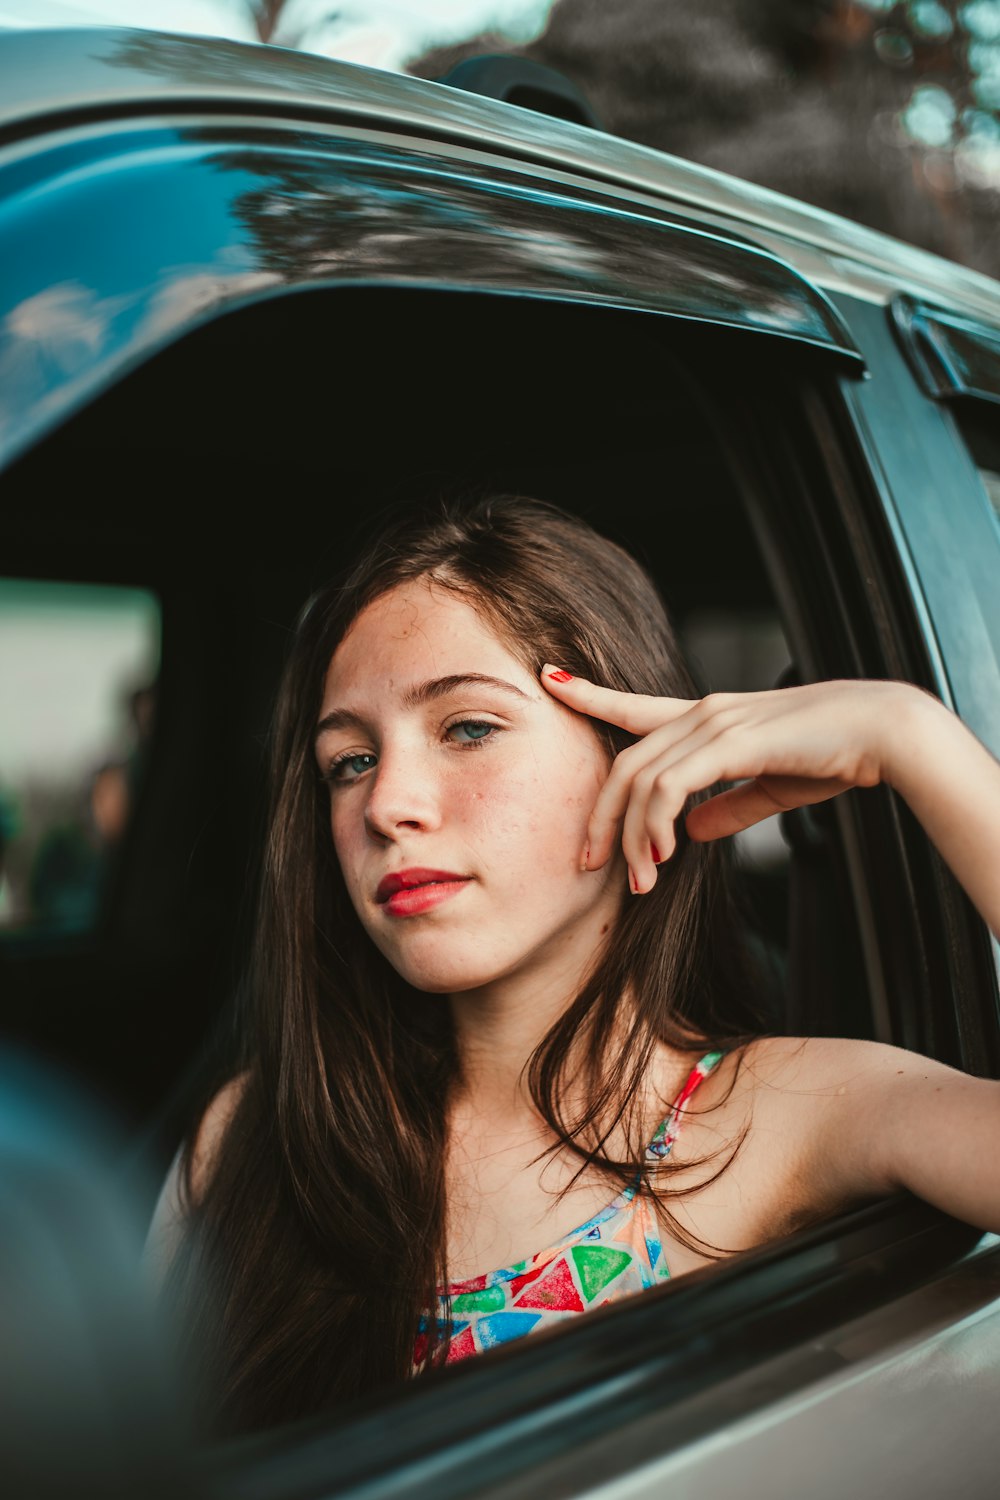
column 615, row 1254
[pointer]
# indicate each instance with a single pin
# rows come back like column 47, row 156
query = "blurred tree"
column 290, row 23
column 266, row 15
column 885, row 111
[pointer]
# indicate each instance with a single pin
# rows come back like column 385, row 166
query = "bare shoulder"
column 211, row 1132
column 179, row 1193
column 820, row 1070
column 853, row 1111
column 791, row 1102
column 799, row 1086
column 826, row 1124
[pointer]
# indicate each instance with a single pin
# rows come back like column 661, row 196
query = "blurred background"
column 84, row 658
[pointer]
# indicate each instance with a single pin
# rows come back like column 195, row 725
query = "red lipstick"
column 406, row 893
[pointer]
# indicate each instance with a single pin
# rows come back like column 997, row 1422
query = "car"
column 252, row 299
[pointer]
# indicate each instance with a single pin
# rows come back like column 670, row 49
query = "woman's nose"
column 403, row 794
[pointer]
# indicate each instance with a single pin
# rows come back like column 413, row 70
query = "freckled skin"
column 511, row 813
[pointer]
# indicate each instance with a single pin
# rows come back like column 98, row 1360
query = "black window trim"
column 465, row 1431
column 491, row 1423
column 939, row 343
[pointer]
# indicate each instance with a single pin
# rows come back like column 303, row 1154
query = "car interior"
column 235, row 472
column 229, row 476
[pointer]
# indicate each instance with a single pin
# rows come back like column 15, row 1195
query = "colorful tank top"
column 615, row 1254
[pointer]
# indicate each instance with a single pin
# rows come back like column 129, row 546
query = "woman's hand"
column 788, row 747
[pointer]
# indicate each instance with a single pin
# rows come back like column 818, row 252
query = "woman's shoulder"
column 819, row 1106
column 788, row 1068
column 800, row 1087
column 182, row 1189
column 781, row 1098
column 211, row 1132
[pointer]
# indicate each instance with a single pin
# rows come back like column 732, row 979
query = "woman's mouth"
column 410, row 892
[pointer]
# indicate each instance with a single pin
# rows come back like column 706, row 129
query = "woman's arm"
column 869, row 1119
column 790, row 747
column 952, row 783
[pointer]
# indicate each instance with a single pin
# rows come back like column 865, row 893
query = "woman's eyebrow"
column 415, row 697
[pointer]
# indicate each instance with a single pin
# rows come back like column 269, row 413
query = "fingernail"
column 561, row 676
column 655, row 853
column 631, row 876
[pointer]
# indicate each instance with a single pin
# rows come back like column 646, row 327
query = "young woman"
column 504, row 1061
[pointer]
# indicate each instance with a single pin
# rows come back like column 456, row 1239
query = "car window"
column 628, row 419
column 671, row 439
column 78, row 671
column 631, row 450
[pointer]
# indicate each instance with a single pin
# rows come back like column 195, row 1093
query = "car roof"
column 54, row 76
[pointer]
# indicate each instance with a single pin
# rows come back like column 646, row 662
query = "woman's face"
column 435, row 774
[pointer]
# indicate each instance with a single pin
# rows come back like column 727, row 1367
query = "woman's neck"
column 498, row 1026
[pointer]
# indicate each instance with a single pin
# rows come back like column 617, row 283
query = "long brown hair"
column 319, row 1239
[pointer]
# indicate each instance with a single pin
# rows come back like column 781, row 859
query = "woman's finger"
column 630, row 780
column 659, row 793
column 790, row 747
column 636, row 712
column 665, row 786
column 742, row 806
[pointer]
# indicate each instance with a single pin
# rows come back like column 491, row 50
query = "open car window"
column 658, row 454
column 708, row 452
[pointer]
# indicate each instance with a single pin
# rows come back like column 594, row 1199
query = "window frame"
column 947, row 544
column 489, row 1425
column 538, row 1400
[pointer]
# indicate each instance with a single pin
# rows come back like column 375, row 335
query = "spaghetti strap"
column 616, row 1253
column 666, row 1134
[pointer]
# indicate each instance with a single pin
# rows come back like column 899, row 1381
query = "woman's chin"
column 446, row 973
column 451, row 980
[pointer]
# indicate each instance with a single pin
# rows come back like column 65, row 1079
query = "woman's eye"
column 348, row 768
column 337, row 771
column 478, row 729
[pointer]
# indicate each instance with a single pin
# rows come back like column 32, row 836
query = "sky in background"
column 379, row 33
column 69, row 655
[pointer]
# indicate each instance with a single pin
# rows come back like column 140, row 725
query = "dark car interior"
column 231, row 476
column 235, row 471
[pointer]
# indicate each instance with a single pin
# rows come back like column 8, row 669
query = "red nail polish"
column 561, row 676
column 655, row 853
column 631, row 876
